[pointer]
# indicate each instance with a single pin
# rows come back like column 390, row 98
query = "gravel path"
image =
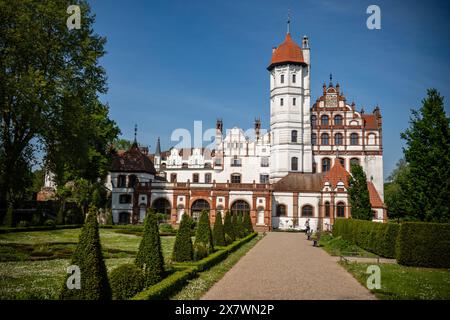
column 285, row 266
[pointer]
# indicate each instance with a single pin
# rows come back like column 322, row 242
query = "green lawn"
column 198, row 286
column 338, row 247
column 33, row 264
column 406, row 283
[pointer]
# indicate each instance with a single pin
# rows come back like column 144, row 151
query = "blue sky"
column 170, row 63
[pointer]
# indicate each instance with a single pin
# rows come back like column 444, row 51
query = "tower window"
column 282, row 78
column 294, row 101
column 313, row 121
column 327, row 209
column 294, row 163
column 294, row 78
column 294, row 136
column 313, row 139
column 264, row 161
column 281, row 101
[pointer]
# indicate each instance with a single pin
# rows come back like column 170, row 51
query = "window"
column 371, row 139
column 338, row 120
column 324, row 120
column 313, row 121
column 342, row 161
column 294, row 101
column 125, row 198
column 354, row 139
column 263, row 178
column 354, row 161
column 338, row 139
column 282, row 78
column 236, row 162
column 327, row 209
column 132, row 181
column 207, row 177
column 307, row 211
column 324, row 139
column 264, row 161
column 281, row 210
column 326, row 164
column 195, row 178
column 240, row 206
column 121, row 181
column 281, row 101
column 294, row 163
column 294, row 136
column 173, row 177
column 340, row 210
column 197, row 207
column 235, row 178
column 294, row 78
column 313, row 139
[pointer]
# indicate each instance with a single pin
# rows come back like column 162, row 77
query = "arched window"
column 340, row 210
column 338, row 139
column 326, row 164
column 294, row 163
column 324, row 120
column 313, row 121
column 294, row 136
column 235, row 178
column 313, row 139
column 240, row 206
column 282, row 78
column 324, row 139
column 281, row 210
column 338, row 120
column 354, row 139
column 371, row 138
column 307, row 211
column 198, row 206
column 354, row 161
column 327, row 209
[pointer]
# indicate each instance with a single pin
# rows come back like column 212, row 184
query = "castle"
column 294, row 173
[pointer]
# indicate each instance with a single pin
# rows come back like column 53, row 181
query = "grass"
column 339, row 247
column 198, row 286
column 33, row 264
column 406, row 283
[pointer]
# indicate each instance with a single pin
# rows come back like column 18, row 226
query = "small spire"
column 289, row 22
column 331, row 80
column 135, row 134
column 158, row 147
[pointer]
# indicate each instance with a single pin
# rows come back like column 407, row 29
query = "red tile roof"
column 370, row 121
column 300, row 182
column 132, row 160
column 288, row 51
column 375, row 199
column 337, row 174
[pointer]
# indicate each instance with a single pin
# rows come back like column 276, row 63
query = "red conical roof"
column 337, row 174
column 287, row 52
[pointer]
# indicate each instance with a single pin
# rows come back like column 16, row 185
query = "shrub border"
column 40, row 228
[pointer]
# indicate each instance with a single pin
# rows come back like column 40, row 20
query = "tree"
column 427, row 152
column 50, row 80
column 358, row 194
column 228, row 228
column 182, row 249
column 394, row 195
column 218, row 232
column 122, row 144
column 149, row 256
column 203, row 244
column 248, row 226
column 88, row 257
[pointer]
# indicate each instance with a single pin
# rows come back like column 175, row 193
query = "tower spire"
column 158, row 147
column 135, row 134
column 289, row 22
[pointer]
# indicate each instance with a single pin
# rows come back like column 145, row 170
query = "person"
column 307, row 226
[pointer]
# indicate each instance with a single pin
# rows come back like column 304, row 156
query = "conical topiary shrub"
column 182, row 249
column 203, row 244
column 149, row 256
column 248, row 226
column 218, row 233
column 94, row 284
column 234, row 222
column 228, row 228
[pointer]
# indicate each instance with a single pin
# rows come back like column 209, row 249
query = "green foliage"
column 379, row 238
column 394, row 195
column 50, row 223
column 203, row 244
column 182, row 249
column 149, row 256
column 218, row 232
column 358, row 194
column 88, row 257
column 126, row 281
column 248, row 226
column 166, row 228
column 426, row 187
column 424, row 244
column 228, row 228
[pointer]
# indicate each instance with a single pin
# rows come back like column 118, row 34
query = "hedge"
column 39, row 228
column 424, row 244
column 376, row 237
column 188, row 270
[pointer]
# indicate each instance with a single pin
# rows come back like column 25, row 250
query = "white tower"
column 290, row 125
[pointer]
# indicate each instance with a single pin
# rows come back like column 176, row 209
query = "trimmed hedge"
column 39, row 228
column 379, row 238
column 182, row 248
column 424, row 244
column 126, row 280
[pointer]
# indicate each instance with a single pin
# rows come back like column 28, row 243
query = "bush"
column 126, row 281
column 248, row 226
column 424, row 244
column 218, row 233
column 166, row 228
column 89, row 258
column 50, row 223
column 23, row 224
column 203, row 244
column 182, row 249
column 149, row 256
column 228, row 229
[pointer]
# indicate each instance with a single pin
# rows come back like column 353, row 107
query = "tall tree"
column 358, row 194
column 427, row 152
column 394, row 195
